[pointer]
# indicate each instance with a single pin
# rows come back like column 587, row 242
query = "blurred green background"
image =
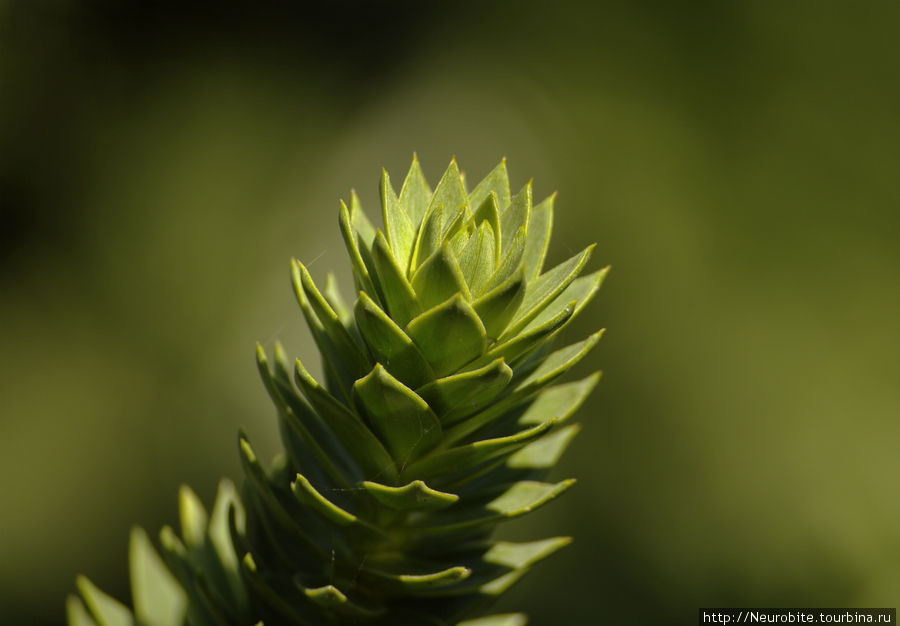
column 737, row 162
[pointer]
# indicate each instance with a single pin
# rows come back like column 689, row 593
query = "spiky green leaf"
column 538, row 238
column 515, row 217
column 401, row 233
column 415, row 196
column 439, row 278
column 450, row 195
column 497, row 307
column 402, row 302
column 546, row 451
column 496, row 182
column 449, row 335
column 466, row 457
column 457, row 396
column 511, row 261
column 358, row 440
column 477, row 258
column 390, row 346
column 403, row 421
column 541, row 292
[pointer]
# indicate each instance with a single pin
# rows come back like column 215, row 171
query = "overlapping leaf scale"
column 439, row 420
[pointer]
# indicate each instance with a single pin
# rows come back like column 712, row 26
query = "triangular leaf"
column 548, row 285
column 451, row 196
column 497, row 182
column 454, row 319
column 399, row 296
column 576, row 296
column 521, row 498
column 360, row 221
column 515, row 217
column 546, row 451
column 444, row 463
column 402, row 420
column 335, row 300
column 439, row 278
column 511, row 262
column 390, row 345
column 310, row 442
column 489, row 211
column 347, row 357
column 458, row 396
column 549, row 369
column 477, row 258
column 527, row 340
column 519, row 555
column 361, row 277
column 400, row 232
column 538, row 238
column 559, row 401
column 359, row 441
column 497, row 307
column 429, row 238
column 415, row 196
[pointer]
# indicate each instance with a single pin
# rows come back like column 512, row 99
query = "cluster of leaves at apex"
column 435, row 421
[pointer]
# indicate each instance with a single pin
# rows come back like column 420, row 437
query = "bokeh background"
column 737, row 162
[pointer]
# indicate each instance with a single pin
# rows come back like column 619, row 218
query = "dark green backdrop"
column 737, row 162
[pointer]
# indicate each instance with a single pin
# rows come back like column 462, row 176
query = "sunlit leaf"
column 515, row 217
column 497, row 182
column 400, row 232
column 415, row 196
column 477, row 258
column 402, row 302
column 439, row 278
column 538, row 238
column 390, row 345
column 449, row 335
column 401, row 419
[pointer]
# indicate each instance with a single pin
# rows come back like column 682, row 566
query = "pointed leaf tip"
column 399, row 229
column 400, row 418
column 454, row 319
column 415, row 196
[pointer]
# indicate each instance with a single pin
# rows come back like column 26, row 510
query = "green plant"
column 436, row 421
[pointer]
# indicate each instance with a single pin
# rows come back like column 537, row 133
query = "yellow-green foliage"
column 437, row 418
